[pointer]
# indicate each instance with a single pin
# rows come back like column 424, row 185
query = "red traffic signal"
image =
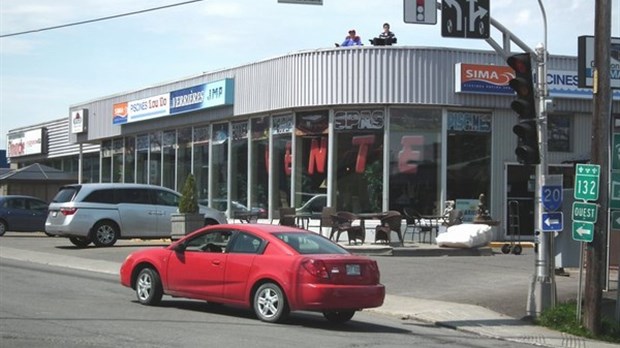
column 527, row 150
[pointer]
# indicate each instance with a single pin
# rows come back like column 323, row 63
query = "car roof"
column 20, row 196
column 95, row 186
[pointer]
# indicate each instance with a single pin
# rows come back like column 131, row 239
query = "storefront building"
column 372, row 128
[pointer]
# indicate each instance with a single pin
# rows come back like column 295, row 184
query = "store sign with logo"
column 25, row 143
column 208, row 95
column 493, row 79
column 78, row 121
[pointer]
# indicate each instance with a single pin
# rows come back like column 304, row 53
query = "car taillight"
column 316, row 268
column 68, row 211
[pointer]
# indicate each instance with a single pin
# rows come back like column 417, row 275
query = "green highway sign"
column 615, row 219
column 587, row 177
column 583, row 231
column 614, row 193
column 585, row 212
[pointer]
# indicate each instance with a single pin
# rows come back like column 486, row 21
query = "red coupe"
column 272, row 269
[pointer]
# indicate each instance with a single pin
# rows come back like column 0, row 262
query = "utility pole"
column 601, row 128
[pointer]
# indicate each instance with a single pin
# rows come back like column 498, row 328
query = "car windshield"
column 310, row 243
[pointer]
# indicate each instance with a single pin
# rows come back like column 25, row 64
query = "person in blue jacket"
column 351, row 40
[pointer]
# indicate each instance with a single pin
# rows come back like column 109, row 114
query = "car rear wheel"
column 79, row 241
column 105, row 234
column 3, row 227
column 148, row 287
column 270, row 304
column 339, row 316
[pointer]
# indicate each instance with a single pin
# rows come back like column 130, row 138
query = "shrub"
column 189, row 199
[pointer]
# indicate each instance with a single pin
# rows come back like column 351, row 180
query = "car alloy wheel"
column 105, row 234
column 270, row 304
column 148, row 287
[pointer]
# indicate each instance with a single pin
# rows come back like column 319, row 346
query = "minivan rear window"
column 66, row 194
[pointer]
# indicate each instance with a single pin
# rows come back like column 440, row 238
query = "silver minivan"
column 104, row 213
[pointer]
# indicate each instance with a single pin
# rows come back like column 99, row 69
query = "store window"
column 239, row 163
column 219, row 151
column 142, row 158
column 90, row 168
column 559, row 133
column 311, row 130
column 358, row 160
column 415, row 159
column 282, row 130
column 117, row 160
column 106, row 161
column 130, row 159
column 155, row 167
column 469, row 156
column 169, row 159
column 202, row 135
column 184, row 156
column 259, row 170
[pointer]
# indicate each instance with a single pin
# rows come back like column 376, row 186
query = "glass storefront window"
column 106, row 161
column 311, row 131
column 130, row 159
column 415, row 158
column 184, row 156
column 358, row 160
column 142, row 158
column 155, row 141
column 239, row 163
column 202, row 135
column 559, row 133
column 469, row 155
column 219, row 151
column 117, row 160
column 281, row 130
column 169, row 158
column 259, row 168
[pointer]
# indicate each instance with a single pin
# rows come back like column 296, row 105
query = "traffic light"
column 527, row 150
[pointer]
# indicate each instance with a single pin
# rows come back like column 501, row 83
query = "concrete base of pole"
column 541, row 296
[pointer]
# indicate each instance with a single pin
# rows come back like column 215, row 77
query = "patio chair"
column 327, row 220
column 416, row 223
column 343, row 222
column 287, row 217
column 390, row 222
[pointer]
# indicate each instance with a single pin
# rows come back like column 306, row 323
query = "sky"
column 43, row 73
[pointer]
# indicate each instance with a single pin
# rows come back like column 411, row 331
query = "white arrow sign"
column 550, row 222
column 581, row 231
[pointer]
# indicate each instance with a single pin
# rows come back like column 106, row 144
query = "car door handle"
column 216, row 262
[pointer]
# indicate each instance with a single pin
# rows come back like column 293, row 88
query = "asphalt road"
column 47, row 306
column 499, row 282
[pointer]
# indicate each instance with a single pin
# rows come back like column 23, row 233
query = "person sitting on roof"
column 386, row 38
column 351, row 40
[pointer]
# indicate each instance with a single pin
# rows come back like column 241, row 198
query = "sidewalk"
column 462, row 317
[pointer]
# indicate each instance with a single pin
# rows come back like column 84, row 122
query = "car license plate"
column 353, row 270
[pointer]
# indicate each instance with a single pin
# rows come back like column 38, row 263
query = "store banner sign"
column 25, row 143
column 486, row 79
column 78, row 121
column 493, row 79
column 213, row 94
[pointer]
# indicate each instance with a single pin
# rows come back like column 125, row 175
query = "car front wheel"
column 3, row 227
column 148, row 287
column 105, row 234
column 338, row 316
column 270, row 304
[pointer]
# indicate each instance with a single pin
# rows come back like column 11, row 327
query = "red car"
column 271, row 269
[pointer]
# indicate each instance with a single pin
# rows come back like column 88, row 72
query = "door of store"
column 520, row 187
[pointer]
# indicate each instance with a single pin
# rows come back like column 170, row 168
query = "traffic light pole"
column 542, row 294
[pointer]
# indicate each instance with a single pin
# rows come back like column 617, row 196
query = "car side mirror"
column 180, row 248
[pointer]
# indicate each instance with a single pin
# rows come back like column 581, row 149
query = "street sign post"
column 585, row 212
column 551, row 196
column 587, row 181
column 552, row 222
column 465, row 19
column 583, row 231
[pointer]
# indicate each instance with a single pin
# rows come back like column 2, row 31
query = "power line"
column 98, row 19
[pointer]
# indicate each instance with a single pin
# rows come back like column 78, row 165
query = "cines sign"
column 493, row 79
